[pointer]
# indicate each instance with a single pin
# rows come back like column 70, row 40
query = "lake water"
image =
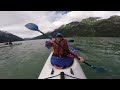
column 25, row 61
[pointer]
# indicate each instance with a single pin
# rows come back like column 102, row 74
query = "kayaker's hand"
column 52, row 41
column 81, row 59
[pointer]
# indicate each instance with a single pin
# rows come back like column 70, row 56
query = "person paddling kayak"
column 60, row 58
column 8, row 43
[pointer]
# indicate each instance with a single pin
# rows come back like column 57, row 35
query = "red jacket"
column 58, row 51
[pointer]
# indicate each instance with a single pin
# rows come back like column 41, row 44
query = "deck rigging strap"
column 62, row 75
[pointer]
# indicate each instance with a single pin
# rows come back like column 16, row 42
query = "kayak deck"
column 50, row 72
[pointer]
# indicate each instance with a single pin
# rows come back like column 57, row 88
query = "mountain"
column 6, row 36
column 90, row 27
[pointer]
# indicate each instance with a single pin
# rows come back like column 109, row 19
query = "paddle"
column 34, row 27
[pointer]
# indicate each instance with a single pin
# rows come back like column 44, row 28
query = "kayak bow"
column 50, row 72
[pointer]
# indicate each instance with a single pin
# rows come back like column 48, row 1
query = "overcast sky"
column 14, row 21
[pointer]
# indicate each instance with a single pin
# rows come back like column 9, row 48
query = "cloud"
column 79, row 15
column 14, row 21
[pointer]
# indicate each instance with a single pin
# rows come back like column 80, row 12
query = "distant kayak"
column 73, row 72
column 10, row 45
column 70, row 40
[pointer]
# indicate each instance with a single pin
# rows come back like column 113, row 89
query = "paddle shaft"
column 45, row 34
column 67, row 50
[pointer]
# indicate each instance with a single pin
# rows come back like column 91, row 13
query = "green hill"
column 90, row 27
column 5, row 37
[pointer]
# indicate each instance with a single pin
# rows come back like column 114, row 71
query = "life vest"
column 58, row 51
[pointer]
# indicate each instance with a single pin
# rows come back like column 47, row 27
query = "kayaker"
column 10, row 42
column 6, row 43
column 61, row 58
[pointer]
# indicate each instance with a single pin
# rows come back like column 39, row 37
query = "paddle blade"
column 32, row 26
column 78, row 49
column 100, row 70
